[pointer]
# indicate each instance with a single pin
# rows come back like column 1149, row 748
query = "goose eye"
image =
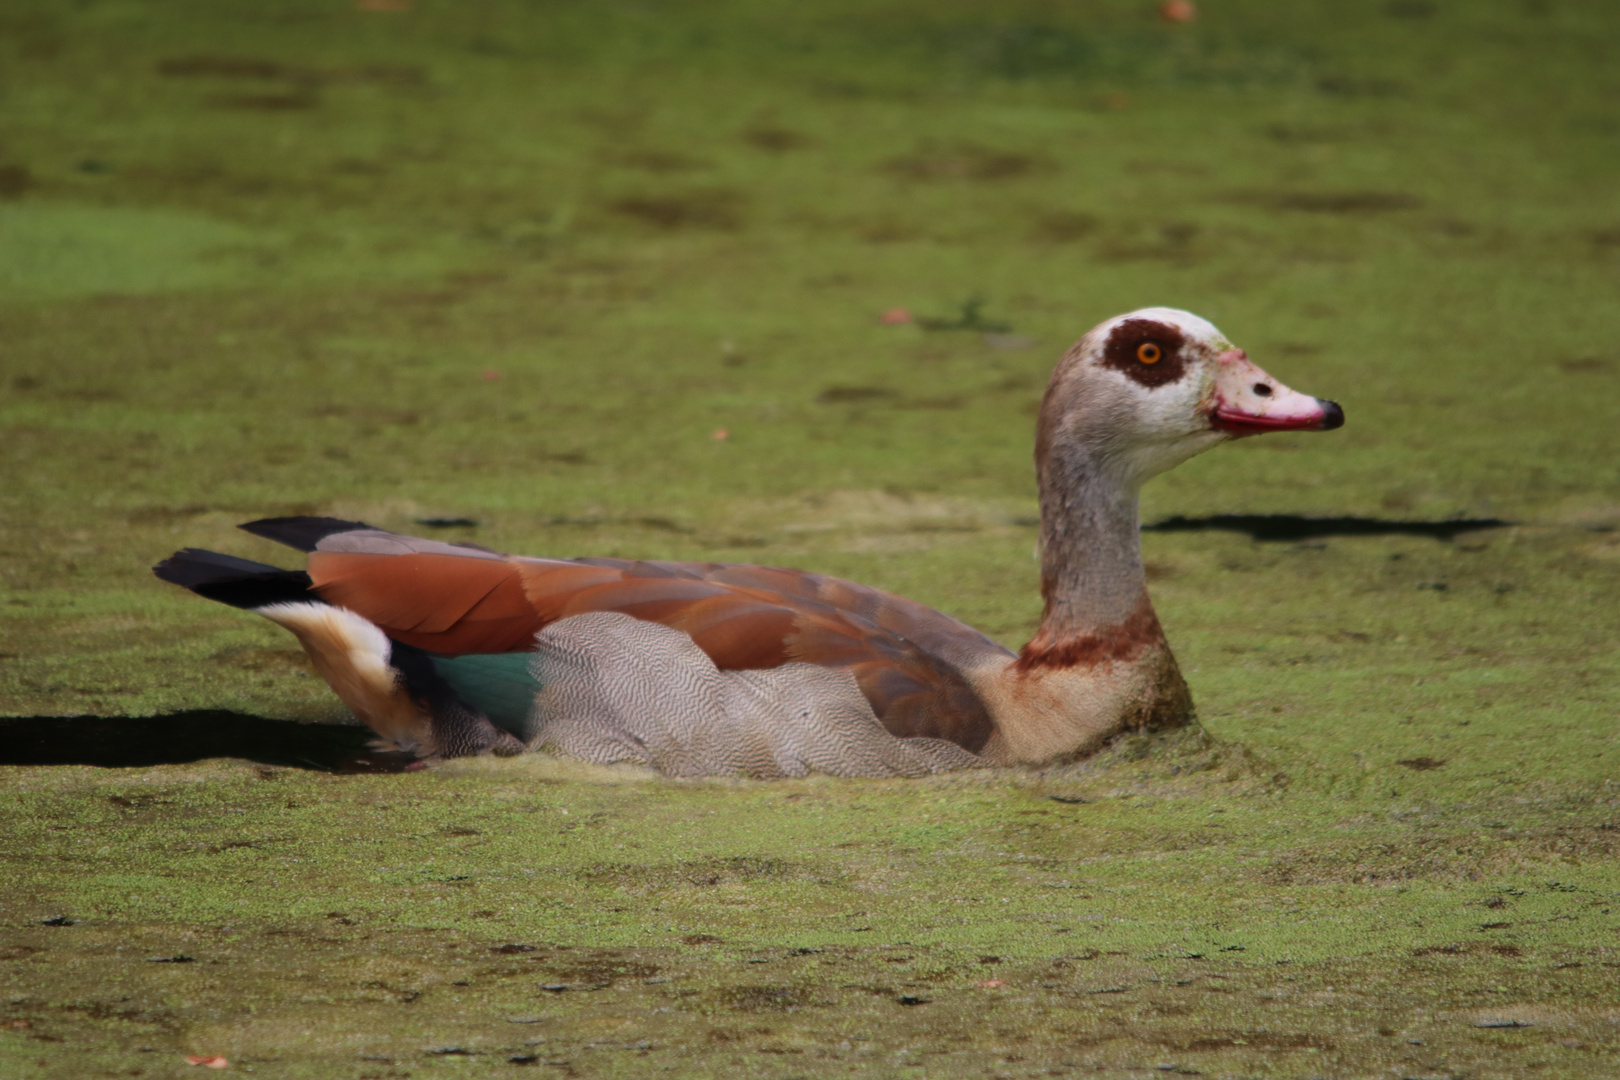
column 1149, row 353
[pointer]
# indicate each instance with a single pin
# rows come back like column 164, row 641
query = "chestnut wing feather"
column 743, row 617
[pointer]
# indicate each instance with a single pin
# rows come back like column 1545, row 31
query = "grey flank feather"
column 616, row 688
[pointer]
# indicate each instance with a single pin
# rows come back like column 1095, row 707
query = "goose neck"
column 1092, row 580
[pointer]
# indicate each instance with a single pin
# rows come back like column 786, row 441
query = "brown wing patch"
column 495, row 636
column 426, row 593
column 739, row 632
column 919, row 624
column 550, row 585
column 1134, row 340
column 911, row 692
column 659, row 600
column 771, row 579
column 439, row 602
column 913, row 701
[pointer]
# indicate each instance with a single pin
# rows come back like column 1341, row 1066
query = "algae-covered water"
column 520, row 265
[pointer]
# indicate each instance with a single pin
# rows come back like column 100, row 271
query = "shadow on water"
column 178, row 738
column 1294, row 527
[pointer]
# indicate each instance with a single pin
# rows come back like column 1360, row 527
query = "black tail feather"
column 238, row 582
column 302, row 533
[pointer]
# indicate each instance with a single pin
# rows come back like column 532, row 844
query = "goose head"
column 1145, row 391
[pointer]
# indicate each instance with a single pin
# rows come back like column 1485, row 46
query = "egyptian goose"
column 719, row 668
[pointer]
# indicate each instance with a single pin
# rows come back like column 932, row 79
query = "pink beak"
column 1250, row 402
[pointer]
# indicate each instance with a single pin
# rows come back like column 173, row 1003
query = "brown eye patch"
column 1148, row 351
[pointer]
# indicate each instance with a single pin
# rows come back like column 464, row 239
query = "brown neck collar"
column 1123, row 642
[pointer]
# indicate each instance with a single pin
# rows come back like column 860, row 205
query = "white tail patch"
column 352, row 655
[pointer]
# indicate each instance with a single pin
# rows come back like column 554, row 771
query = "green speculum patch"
column 512, row 271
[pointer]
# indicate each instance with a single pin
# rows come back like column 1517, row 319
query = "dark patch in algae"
column 1282, row 527
column 123, row 742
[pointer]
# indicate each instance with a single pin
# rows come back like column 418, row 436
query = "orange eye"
column 1148, row 353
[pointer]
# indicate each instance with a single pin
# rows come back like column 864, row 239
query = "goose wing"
column 455, row 600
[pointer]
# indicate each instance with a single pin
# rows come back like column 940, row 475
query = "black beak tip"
column 1332, row 415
